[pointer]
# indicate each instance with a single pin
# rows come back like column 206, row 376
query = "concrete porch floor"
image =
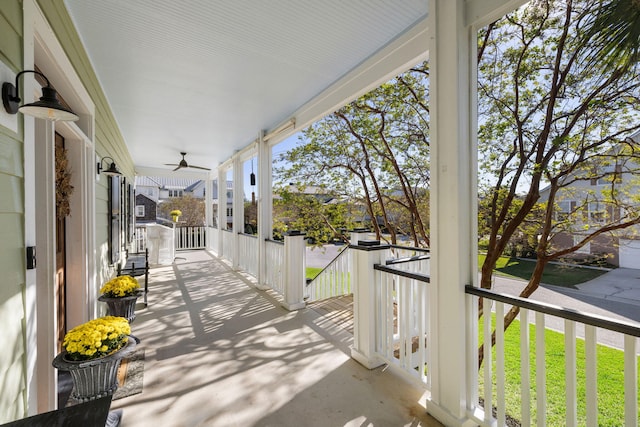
column 219, row 352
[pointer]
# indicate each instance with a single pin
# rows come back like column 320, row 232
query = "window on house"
column 596, row 212
column 229, row 211
column 139, row 211
column 586, row 249
column 612, row 173
column 563, row 210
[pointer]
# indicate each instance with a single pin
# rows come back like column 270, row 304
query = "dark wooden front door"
column 61, row 259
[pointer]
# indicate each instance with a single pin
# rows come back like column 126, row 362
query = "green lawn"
column 559, row 275
column 610, row 363
column 312, row 272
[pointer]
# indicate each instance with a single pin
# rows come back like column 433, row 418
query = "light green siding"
column 108, row 139
column 109, row 142
column 12, row 265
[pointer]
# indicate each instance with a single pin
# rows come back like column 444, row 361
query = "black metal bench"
column 137, row 265
column 93, row 413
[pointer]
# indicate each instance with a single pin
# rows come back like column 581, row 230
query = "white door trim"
column 42, row 47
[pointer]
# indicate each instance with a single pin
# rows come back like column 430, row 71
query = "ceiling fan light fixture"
column 183, row 164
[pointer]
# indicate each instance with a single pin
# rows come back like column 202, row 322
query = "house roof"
column 165, row 182
column 146, row 197
column 207, row 76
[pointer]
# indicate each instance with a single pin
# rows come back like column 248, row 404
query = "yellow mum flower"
column 120, row 286
column 91, row 340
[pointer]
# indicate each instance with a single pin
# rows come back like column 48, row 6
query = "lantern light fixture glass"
column 48, row 107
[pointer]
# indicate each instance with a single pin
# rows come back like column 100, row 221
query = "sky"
column 278, row 149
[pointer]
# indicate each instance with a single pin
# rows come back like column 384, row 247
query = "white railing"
column 214, row 235
column 248, row 251
column 227, row 244
column 190, row 238
column 140, row 239
column 402, row 322
column 333, row 281
column 185, row 238
column 274, row 265
column 415, row 260
column 580, row 389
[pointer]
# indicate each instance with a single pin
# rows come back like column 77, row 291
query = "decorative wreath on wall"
column 64, row 189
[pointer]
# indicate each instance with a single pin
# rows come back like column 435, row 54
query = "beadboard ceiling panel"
column 205, row 76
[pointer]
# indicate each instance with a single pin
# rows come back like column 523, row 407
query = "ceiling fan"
column 183, row 164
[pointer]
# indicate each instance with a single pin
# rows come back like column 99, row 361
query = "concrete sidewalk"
column 621, row 285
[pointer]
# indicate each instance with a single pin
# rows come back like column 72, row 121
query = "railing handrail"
column 412, row 248
column 248, row 235
column 417, row 276
column 393, row 261
column 621, row 326
column 274, row 241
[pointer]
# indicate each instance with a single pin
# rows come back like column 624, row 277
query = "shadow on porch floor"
column 221, row 353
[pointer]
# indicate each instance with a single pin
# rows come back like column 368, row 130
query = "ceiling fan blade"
column 199, row 167
column 171, row 164
column 179, row 167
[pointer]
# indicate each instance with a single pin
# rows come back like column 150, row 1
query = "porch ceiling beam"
column 397, row 56
column 168, row 173
column 482, row 12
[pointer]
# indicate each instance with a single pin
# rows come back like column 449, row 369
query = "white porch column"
column 294, row 270
column 222, row 209
column 453, row 208
column 238, row 210
column 208, row 210
column 265, row 206
column 365, row 253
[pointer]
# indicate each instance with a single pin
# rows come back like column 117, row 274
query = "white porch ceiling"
column 205, row 76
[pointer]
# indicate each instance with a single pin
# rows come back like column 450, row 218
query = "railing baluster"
column 500, row 376
column 591, row 371
column 541, row 384
column 592, row 323
column 488, row 377
column 391, row 332
column 570, row 372
column 423, row 300
column 525, row 388
column 333, row 280
column 630, row 381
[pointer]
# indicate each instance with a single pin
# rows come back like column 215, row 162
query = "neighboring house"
column 584, row 201
column 146, row 209
column 162, row 189
column 229, row 204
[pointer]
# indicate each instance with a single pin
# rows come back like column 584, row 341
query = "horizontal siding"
column 11, row 40
column 109, row 141
column 11, row 157
column 12, row 255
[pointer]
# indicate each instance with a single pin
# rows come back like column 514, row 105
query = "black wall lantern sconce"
column 111, row 171
column 48, row 107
